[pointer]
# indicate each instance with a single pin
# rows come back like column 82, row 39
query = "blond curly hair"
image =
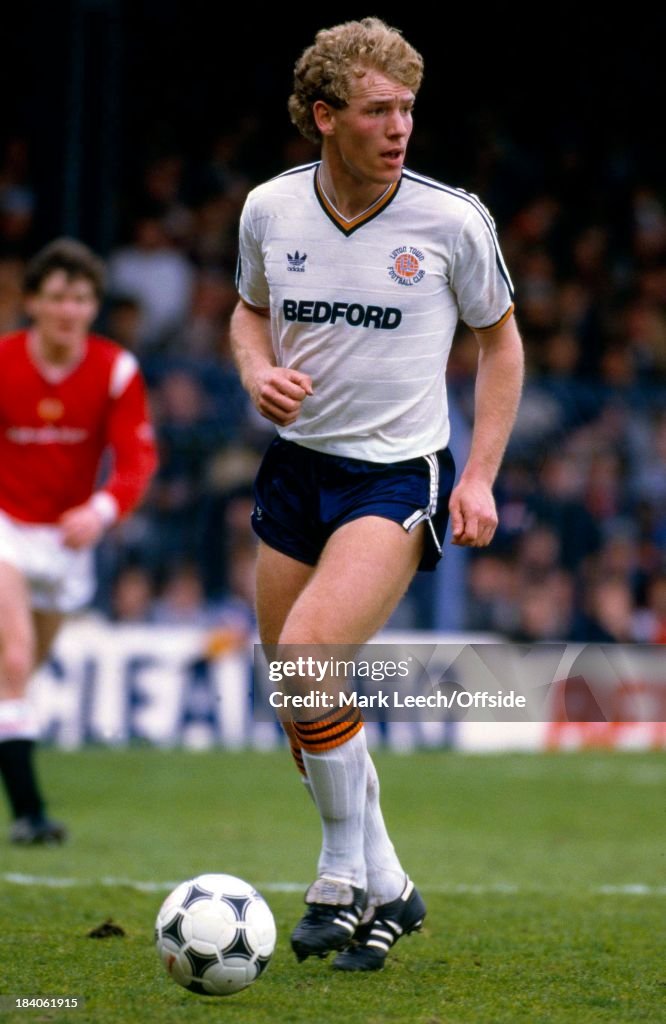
column 326, row 70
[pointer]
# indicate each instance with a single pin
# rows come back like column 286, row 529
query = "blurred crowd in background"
column 581, row 548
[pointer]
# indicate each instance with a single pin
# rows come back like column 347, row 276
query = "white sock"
column 338, row 784
column 18, row 720
column 386, row 877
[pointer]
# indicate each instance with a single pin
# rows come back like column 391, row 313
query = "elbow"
column 246, row 307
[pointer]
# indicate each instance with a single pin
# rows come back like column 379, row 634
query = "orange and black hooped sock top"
column 326, row 733
column 294, row 746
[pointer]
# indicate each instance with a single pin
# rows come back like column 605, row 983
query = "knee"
column 297, row 634
column 308, row 624
column 17, row 662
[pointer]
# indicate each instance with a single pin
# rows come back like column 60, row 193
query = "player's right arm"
column 129, row 435
column 276, row 391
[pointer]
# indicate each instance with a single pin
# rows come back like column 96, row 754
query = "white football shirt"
column 368, row 308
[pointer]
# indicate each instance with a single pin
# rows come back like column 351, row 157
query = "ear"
column 324, row 117
column 31, row 303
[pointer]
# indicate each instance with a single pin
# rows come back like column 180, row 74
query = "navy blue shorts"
column 303, row 496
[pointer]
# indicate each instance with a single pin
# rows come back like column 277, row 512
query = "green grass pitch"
column 544, row 878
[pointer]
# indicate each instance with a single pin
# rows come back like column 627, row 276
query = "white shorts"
column 59, row 579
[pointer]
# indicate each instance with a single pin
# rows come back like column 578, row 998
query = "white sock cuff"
column 18, row 720
column 352, row 749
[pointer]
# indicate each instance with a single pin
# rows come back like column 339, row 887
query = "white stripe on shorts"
column 422, row 514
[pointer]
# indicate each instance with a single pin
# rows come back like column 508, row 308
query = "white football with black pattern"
column 215, row 934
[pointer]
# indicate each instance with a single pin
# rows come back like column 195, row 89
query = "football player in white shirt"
column 352, row 275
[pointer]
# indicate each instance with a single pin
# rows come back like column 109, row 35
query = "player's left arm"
column 498, row 387
column 129, row 435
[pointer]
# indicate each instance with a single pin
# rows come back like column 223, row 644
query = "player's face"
column 63, row 309
column 371, row 133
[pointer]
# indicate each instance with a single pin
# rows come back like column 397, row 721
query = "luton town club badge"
column 406, row 265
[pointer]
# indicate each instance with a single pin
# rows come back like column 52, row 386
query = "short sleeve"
column 479, row 277
column 251, row 280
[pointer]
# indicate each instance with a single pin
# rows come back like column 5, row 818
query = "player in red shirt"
column 66, row 398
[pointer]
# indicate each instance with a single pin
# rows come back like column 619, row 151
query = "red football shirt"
column 53, row 435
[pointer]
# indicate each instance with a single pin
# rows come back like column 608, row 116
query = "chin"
column 391, row 173
column 384, row 177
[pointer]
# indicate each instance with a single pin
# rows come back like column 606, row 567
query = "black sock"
column 18, row 775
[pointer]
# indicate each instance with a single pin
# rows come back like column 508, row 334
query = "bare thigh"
column 17, row 634
column 280, row 580
column 363, row 572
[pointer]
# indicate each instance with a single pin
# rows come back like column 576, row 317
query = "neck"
column 349, row 195
column 56, row 354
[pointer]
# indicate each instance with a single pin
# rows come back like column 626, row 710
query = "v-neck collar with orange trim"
column 349, row 226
